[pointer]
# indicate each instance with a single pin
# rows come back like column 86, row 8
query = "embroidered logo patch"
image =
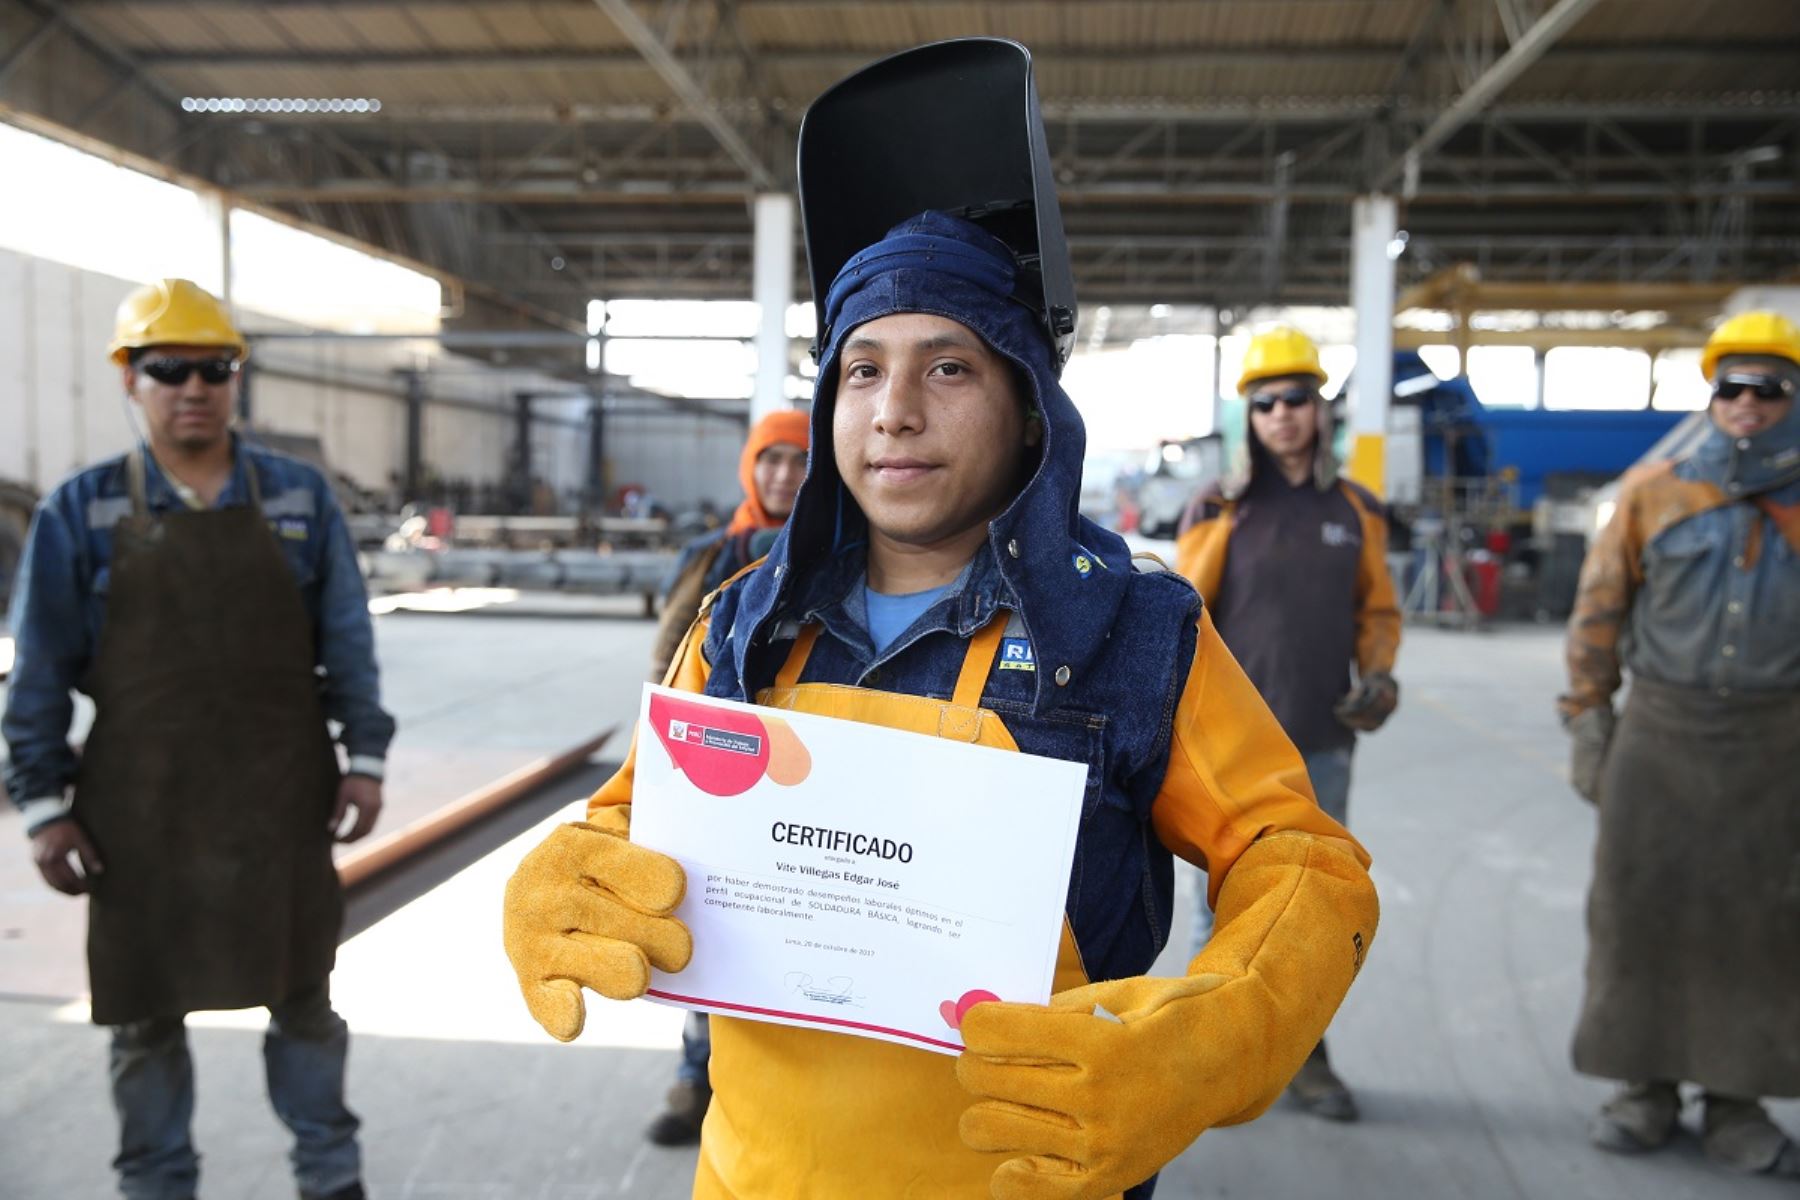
column 1086, row 561
column 1015, row 655
column 291, row 528
column 1333, row 534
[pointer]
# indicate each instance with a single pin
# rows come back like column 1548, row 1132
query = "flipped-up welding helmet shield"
column 953, row 126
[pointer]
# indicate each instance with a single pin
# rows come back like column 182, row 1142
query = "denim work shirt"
column 1707, row 615
column 59, row 607
column 1116, row 718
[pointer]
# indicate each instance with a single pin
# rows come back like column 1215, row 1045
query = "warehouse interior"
column 518, row 277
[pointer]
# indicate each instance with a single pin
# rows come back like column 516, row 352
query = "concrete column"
column 596, row 455
column 774, row 288
column 1373, row 222
column 217, row 206
column 521, row 464
column 1218, row 361
column 413, row 479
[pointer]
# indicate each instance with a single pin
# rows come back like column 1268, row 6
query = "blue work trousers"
column 696, row 1049
column 303, row 1059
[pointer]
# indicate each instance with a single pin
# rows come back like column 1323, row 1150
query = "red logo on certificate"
column 724, row 751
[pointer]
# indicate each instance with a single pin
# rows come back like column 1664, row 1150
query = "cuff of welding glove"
column 611, row 818
column 1593, row 725
column 1101, row 1089
column 1296, row 917
column 43, row 810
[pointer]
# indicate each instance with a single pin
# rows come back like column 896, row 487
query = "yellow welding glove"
column 587, row 908
column 1098, row 1091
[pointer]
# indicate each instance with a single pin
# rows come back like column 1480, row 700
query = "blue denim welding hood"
column 953, row 127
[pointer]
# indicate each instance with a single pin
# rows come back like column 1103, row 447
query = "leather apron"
column 1693, row 965
column 805, row 1113
column 209, row 776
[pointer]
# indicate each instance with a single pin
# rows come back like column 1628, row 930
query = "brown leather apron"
column 1693, row 968
column 209, row 776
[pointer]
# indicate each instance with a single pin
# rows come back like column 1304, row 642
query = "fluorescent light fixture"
column 280, row 104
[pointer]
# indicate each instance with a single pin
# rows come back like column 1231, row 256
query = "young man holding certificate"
column 935, row 577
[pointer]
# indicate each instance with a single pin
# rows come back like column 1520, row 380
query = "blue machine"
column 1537, row 443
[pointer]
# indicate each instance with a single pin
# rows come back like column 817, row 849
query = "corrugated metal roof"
column 1095, row 50
column 552, row 96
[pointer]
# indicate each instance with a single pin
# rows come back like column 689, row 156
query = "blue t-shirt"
column 890, row 616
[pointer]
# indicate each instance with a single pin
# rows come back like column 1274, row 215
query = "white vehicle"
column 1174, row 473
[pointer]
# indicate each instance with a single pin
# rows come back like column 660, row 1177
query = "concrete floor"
column 1455, row 1037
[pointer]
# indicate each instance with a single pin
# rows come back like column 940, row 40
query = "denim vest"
column 1720, row 603
column 1115, row 717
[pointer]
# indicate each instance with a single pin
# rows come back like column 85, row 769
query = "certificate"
column 850, row 877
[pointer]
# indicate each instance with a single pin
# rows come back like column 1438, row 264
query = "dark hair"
column 1023, row 385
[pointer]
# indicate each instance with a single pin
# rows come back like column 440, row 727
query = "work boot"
column 1320, row 1091
column 679, row 1123
column 1737, row 1133
column 1640, row 1117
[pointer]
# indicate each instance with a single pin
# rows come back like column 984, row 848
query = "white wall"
column 681, row 458
column 60, row 399
column 62, row 405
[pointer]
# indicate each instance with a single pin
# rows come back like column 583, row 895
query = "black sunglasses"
column 175, row 371
column 1265, row 402
column 1766, row 388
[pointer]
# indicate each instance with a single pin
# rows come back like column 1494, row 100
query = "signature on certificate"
column 836, row 990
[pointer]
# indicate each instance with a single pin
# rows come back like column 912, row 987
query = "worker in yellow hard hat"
column 1292, row 562
column 1693, row 588
column 205, row 594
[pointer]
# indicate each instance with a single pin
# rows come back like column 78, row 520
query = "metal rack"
column 1455, row 511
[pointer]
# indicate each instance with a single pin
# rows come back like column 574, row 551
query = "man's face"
column 1284, row 414
column 929, row 429
column 1745, row 414
column 777, row 473
column 191, row 414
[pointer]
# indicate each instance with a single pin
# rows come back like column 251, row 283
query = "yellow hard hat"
column 172, row 312
column 1751, row 333
column 1282, row 350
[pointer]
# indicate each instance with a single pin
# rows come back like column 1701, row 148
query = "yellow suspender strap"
column 971, row 681
column 984, row 648
column 789, row 675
